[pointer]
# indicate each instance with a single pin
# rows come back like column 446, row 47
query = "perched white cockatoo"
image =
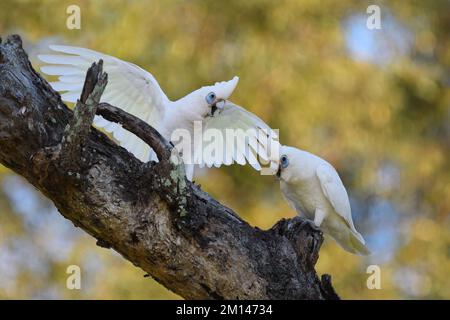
column 136, row 91
column 312, row 187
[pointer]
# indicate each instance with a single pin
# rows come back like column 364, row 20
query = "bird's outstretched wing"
column 335, row 192
column 129, row 87
column 245, row 137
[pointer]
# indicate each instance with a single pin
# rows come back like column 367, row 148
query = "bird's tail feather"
column 351, row 241
column 357, row 243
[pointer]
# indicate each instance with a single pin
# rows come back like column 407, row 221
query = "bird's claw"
column 311, row 224
column 315, row 240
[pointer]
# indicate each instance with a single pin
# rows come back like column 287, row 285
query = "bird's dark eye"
column 211, row 98
column 284, row 161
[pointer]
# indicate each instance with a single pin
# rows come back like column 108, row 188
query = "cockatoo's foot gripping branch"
column 149, row 213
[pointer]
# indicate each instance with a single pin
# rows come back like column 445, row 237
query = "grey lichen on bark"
column 149, row 213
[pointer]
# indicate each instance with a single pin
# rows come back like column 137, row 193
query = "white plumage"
column 313, row 187
column 137, row 92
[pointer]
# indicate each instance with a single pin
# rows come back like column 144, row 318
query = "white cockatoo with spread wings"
column 136, row 91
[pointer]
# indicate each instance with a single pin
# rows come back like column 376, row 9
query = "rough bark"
column 149, row 213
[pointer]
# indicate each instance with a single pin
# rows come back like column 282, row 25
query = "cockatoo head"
column 288, row 164
column 211, row 98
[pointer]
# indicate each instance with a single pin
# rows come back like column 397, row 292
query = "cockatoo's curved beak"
column 278, row 174
column 225, row 89
column 219, row 105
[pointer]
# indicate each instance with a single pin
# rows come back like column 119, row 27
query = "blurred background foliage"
column 374, row 103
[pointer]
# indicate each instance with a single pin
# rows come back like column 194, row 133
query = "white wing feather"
column 129, row 87
column 250, row 142
column 334, row 190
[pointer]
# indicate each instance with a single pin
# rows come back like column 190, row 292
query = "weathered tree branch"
column 138, row 127
column 76, row 133
column 149, row 213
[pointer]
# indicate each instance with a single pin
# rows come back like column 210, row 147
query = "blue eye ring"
column 210, row 98
column 284, row 161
